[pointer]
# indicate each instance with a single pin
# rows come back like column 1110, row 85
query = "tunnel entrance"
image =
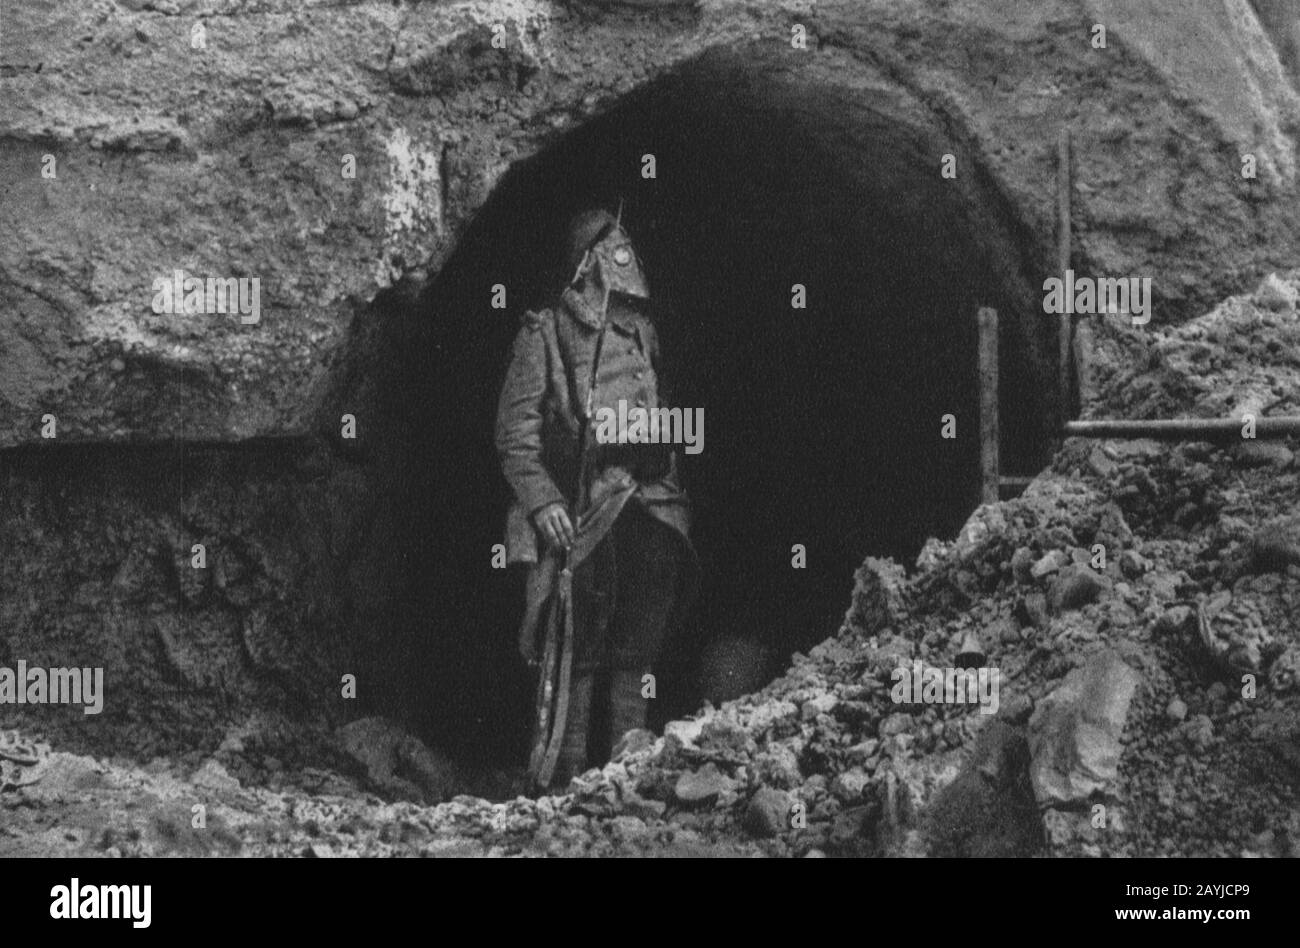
column 822, row 425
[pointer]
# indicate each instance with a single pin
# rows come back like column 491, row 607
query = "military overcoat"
column 539, row 425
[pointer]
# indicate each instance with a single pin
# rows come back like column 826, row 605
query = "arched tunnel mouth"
column 822, row 424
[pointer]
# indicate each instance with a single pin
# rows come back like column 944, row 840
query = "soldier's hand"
column 555, row 526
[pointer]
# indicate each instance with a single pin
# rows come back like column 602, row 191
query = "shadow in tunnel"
column 822, row 424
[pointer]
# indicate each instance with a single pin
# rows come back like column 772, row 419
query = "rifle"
column 552, row 705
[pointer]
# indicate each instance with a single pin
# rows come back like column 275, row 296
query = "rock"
column 53, row 776
column 1199, row 732
column 877, row 596
column 987, row 521
column 847, row 787
column 1187, row 514
column 1273, row 549
column 1281, row 739
column 1113, row 530
column 893, row 650
column 1005, row 631
column 850, row 830
column 1032, row 610
column 1233, row 634
column 1100, row 464
column 1061, row 829
column 778, row 766
column 1256, row 453
column 628, row 828
column 859, row 753
column 1080, row 557
column 1074, row 588
column 1284, row 673
column 1275, row 294
column 989, row 809
column 1243, row 658
column 1133, row 564
column 857, row 714
column 397, row 763
column 1175, row 620
column 933, row 554
column 1049, row 564
column 1177, row 710
column 1163, row 585
column 1016, row 709
column 233, row 742
column 213, row 776
column 686, row 733
column 1075, row 732
column 768, row 813
column 895, row 724
column 702, row 787
column 636, row 805
column 1022, row 562
column 634, row 741
column 1138, row 449
column 822, row 704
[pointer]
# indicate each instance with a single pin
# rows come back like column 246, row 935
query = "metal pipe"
column 1183, row 429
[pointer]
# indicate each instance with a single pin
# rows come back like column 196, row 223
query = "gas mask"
column 620, row 269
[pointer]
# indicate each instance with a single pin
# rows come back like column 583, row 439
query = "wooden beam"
column 1183, row 429
column 988, row 377
column 1063, row 189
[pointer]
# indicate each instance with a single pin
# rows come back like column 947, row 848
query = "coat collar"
column 588, row 315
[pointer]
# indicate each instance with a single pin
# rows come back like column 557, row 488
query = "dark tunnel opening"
column 822, row 425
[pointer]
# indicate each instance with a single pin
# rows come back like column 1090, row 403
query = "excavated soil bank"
column 101, row 537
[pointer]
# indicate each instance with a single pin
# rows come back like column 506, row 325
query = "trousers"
column 623, row 598
column 624, row 594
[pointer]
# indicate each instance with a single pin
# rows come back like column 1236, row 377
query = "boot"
column 627, row 709
column 573, row 746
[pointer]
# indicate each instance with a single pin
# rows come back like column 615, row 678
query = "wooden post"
column 1063, row 188
column 988, row 347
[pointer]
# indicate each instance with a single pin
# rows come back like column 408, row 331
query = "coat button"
column 639, row 375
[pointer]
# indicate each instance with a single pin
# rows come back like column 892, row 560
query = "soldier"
column 614, row 514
